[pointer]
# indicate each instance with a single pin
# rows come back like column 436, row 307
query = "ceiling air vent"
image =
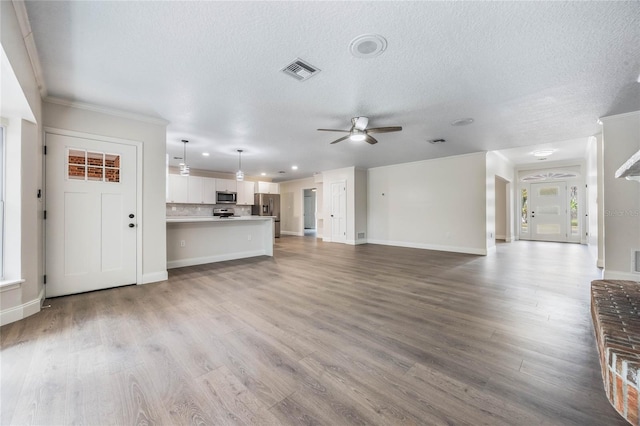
column 300, row 70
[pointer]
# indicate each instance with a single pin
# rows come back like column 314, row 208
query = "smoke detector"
column 367, row 46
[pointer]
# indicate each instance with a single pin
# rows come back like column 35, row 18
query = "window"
column 524, row 211
column 92, row 166
column 573, row 210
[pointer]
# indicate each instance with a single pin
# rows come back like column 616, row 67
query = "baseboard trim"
column 212, row 259
column 501, row 237
column 25, row 310
column 619, row 275
column 454, row 249
column 295, row 234
column 154, row 277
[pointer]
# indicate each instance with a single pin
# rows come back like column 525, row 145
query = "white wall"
column 360, row 205
column 621, row 139
column 152, row 134
column 24, row 140
column 594, row 179
column 498, row 165
column 501, row 208
column 434, row 204
column 292, row 204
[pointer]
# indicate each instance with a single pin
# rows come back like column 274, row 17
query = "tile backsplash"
column 204, row 209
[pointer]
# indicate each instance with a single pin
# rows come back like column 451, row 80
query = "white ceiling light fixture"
column 184, row 168
column 462, row 122
column 367, row 46
column 263, row 174
column 357, row 135
column 239, row 173
column 543, row 152
column 205, row 154
column 294, row 167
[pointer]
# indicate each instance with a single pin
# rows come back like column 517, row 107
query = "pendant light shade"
column 239, row 173
column 184, row 167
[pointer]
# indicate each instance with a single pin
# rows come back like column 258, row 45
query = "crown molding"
column 30, row 44
column 105, row 110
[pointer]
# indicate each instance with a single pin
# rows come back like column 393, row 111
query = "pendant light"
column 239, row 173
column 184, row 168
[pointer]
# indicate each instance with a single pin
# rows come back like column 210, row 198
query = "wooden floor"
column 321, row 334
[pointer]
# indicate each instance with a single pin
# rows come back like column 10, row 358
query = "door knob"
column 131, row 225
column 131, row 216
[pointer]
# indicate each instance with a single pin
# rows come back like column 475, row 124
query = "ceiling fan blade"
column 341, row 139
column 360, row 123
column 333, row 130
column 370, row 140
column 384, row 129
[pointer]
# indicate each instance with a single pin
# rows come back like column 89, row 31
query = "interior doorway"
column 310, row 212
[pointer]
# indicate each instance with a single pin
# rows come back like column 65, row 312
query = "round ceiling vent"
column 367, row 46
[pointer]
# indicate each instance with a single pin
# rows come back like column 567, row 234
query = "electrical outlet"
column 183, row 243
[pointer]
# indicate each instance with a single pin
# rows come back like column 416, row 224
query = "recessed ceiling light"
column 263, row 174
column 367, row 46
column 543, row 152
column 598, row 121
column 205, row 154
column 462, row 121
column 294, row 167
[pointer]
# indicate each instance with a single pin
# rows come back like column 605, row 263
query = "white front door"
column 91, row 235
column 338, row 212
column 548, row 211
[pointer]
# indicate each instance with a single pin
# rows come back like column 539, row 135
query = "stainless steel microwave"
column 223, row 197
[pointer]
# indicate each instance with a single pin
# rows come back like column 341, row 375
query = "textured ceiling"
column 527, row 72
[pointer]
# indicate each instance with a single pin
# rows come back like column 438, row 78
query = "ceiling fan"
column 359, row 131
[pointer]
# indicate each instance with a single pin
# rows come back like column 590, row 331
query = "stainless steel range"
column 223, row 213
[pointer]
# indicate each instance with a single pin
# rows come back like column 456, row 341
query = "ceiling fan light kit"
column 359, row 131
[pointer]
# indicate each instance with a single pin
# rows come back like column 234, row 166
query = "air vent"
column 300, row 70
column 435, row 141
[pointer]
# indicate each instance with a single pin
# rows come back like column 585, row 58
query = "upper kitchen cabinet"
column 195, row 190
column 226, row 185
column 267, row 188
column 209, row 190
column 177, row 189
column 245, row 193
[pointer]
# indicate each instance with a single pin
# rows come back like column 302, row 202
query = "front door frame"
column 139, row 157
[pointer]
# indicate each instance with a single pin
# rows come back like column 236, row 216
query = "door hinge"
column 44, row 150
column 44, row 279
column 44, row 214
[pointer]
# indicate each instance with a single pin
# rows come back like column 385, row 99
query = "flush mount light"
column 543, row 152
column 263, row 174
column 367, row 46
column 462, row 122
column 294, row 167
column 205, row 154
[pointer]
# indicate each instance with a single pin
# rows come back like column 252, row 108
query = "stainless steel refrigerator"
column 268, row 205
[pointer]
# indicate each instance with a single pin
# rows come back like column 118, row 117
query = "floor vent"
column 360, row 235
column 300, row 70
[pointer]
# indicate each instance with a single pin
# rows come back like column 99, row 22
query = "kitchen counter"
column 188, row 219
column 195, row 240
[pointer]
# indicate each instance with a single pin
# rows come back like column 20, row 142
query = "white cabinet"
column 267, row 188
column 227, row 185
column 177, row 191
column 245, row 193
column 195, row 186
column 209, row 190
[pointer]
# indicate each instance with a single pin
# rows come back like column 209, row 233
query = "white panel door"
column 549, row 211
column 91, row 235
column 338, row 212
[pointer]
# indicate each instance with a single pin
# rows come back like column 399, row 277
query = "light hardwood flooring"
column 321, row 334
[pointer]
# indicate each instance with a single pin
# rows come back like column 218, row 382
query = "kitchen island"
column 194, row 240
